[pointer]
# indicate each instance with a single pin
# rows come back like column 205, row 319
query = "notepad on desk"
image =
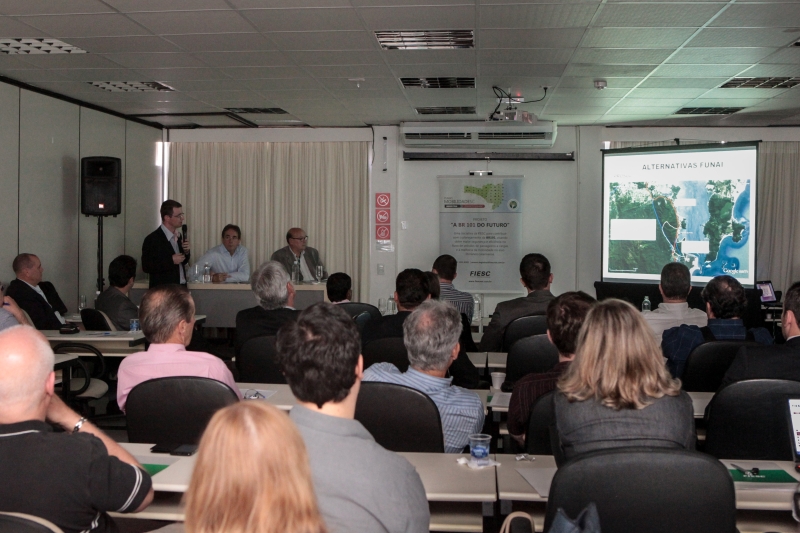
column 770, row 475
column 500, row 399
column 539, row 478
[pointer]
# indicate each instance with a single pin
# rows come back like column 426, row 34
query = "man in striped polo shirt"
column 445, row 267
column 431, row 334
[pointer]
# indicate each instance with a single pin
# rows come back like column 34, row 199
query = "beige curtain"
column 778, row 195
column 267, row 188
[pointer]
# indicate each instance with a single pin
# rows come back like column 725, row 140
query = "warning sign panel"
column 381, row 216
column 383, row 233
column 382, row 199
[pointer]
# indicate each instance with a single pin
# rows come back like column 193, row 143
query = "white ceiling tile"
column 612, row 82
column 389, row 92
column 527, row 55
column 785, row 56
column 364, row 57
column 682, row 83
column 714, row 101
column 524, row 70
column 456, row 70
column 15, row 62
column 648, row 111
column 765, row 70
column 110, row 45
column 156, row 60
column 445, row 97
column 262, row 4
column 413, row 57
column 34, row 75
column 182, row 22
column 713, row 56
column 168, row 74
column 536, row 15
column 101, row 25
column 343, row 84
column 324, row 40
column 208, row 85
column 102, row 74
column 599, row 101
column 574, row 110
column 636, row 37
column 588, row 91
column 302, row 85
column 50, row 7
column 350, row 71
column 419, row 17
column 540, row 38
column 610, row 56
column 221, row 42
column 733, row 37
column 70, row 61
column 249, row 73
column 698, row 71
column 245, row 59
column 666, row 93
column 777, row 14
column 663, row 15
column 307, row 19
column 289, row 95
column 650, row 103
column 132, row 6
column 530, row 88
column 604, row 71
column 11, row 28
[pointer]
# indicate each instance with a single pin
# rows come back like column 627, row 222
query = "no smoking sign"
column 382, row 199
column 381, row 216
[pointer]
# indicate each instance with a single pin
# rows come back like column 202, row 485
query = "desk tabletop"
column 61, row 358
column 281, row 396
column 244, row 286
column 97, row 338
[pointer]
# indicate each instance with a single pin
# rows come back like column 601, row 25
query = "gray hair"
column 27, row 360
column 269, row 285
column 430, row 333
column 162, row 310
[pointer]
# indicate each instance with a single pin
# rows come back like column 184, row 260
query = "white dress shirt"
column 237, row 266
column 672, row 315
column 173, row 240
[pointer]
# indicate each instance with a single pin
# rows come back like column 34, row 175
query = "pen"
column 752, row 471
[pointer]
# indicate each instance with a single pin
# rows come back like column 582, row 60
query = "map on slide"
column 491, row 192
column 703, row 224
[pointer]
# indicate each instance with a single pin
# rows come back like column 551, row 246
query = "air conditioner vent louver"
column 429, row 136
column 505, row 134
column 512, row 135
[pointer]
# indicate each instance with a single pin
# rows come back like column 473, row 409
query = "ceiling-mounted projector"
column 516, row 115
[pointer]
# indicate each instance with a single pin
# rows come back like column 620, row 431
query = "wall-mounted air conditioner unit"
column 493, row 134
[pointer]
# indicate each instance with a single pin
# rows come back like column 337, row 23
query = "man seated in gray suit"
column 114, row 301
column 299, row 252
column 535, row 276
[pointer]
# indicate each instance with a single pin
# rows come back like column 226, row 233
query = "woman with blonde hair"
column 618, row 392
column 252, row 475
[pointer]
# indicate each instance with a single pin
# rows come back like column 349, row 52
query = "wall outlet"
column 403, row 224
column 381, row 270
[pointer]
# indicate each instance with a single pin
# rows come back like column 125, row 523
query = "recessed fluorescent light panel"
column 447, row 110
column 37, row 46
column 439, row 83
column 131, row 86
column 761, row 83
column 708, row 110
column 257, row 110
column 425, row 39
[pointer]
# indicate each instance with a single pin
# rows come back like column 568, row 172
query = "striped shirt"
column 461, row 300
column 461, row 410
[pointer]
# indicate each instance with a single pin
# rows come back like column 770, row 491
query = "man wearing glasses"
column 298, row 252
column 164, row 252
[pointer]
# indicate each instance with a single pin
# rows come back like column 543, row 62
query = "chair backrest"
column 708, row 363
column 629, row 487
column 530, row 355
column 526, row 326
column 26, row 523
column 747, row 420
column 386, row 350
column 541, row 426
column 256, row 362
column 401, row 419
column 361, row 320
column 94, row 320
column 98, row 361
column 356, row 308
column 175, row 409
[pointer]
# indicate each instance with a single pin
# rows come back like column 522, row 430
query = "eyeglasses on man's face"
column 304, row 239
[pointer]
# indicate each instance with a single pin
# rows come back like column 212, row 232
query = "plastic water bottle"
column 296, row 272
column 646, row 303
column 392, row 307
column 206, row 273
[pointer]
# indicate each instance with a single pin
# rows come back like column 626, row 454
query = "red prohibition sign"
column 382, row 216
column 383, row 233
column 382, row 199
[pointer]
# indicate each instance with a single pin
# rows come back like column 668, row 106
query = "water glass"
column 382, row 305
column 320, row 272
column 82, row 304
column 391, row 306
column 479, row 448
column 135, row 324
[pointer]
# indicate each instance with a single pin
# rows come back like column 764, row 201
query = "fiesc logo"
column 480, row 273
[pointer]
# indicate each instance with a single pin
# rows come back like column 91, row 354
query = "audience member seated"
column 431, row 334
column 36, row 297
column 114, row 301
column 242, row 481
column 434, row 288
column 71, row 478
column 229, row 261
column 11, row 315
column 617, row 392
column 360, row 486
column 565, row 315
column 275, row 294
column 445, row 267
column 725, row 301
column 167, row 320
column 772, row 362
column 339, row 288
column 534, row 270
column 676, row 283
column 411, row 289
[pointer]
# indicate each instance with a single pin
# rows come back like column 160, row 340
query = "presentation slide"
column 696, row 205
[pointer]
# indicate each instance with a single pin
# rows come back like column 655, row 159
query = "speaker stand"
column 100, row 280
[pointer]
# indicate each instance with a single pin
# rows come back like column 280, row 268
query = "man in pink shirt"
column 167, row 319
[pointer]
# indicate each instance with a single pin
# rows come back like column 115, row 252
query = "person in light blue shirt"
column 228, row 261
column 430, row 335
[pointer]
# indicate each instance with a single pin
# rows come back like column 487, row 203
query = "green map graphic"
column 492, row 193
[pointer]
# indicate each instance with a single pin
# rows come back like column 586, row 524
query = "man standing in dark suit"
column 780, row 361
column 164, row 252
column 535, row 276
column 36, row 297
column 114, row 301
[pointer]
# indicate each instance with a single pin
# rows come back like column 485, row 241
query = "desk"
column 221, row 301
column 110, row 343
column 490, row 359
column 65, row 362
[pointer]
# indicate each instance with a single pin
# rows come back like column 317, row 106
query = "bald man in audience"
column 72, row 478
column 298, row 251
column 167, row 319
column 36, row 297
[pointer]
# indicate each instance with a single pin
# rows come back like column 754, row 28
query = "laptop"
column 767, row 292
column 793, row 412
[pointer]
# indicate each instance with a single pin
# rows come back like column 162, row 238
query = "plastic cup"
column 497, row 379
column 135, row 324
column 479, row 448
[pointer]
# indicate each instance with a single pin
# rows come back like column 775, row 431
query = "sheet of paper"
column 262, row 394
column 539, row 478
column 500, row 399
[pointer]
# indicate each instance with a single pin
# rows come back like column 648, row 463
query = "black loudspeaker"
column 101, row 186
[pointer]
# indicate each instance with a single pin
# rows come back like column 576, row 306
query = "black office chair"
column 647, row 490
column 356, row 308
column 256, row 362
column 708, row 363
column 26, row 523
column 747, row 420
column 529, row 356
column 401, row 419
column 91, row 386
column 541, row 437
column 386, row 350
column 94, row 320
column 175, row 409
column 361, row 320
column 526, row 326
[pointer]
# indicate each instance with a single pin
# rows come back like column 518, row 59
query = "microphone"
column 185, row 232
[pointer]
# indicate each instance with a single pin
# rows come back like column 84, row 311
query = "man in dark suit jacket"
column 780, row 361
column 164, row 252
column 535, row 276
column 275, row 294
column 297, row 250
column 114, row 301
column 36, row 297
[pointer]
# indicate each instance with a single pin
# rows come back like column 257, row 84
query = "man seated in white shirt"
column 229, row 261
column 676, row 283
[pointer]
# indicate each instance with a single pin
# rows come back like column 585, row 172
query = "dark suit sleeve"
column 187, row 255
column 53, row 298
column 738, row 369
column 28, row 300
column 492, row 339
column 155, row 258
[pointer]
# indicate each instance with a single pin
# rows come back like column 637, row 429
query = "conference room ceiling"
column 321, row 63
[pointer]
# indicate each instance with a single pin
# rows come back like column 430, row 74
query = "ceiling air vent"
column 708, row 110
column 425, row 39
column 760, row 83
column 131, row 86
column 447, row 110
column 497, row 135
column 439, row 83
column 37, row 46
column 257, row 110
column 432, row 135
